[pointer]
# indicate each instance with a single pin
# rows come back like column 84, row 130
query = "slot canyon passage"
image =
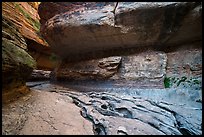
column 102, row 68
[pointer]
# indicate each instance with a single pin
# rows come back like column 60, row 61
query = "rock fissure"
column 50, row 123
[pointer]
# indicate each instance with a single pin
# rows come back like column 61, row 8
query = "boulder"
column 87, row 31
column 101, row 29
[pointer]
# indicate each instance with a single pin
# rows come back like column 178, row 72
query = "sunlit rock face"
column 95, row 29
column 24, row 16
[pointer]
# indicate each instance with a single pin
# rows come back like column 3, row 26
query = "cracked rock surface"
column 44, row 113
column 56, row 109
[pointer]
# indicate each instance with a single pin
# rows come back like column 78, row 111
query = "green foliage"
column 172, row 81
column 167, row 82
column 53, row 57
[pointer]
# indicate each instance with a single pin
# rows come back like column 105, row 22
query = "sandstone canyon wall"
column 23, row 49
column 25, row 17
column 157, row 42
column 129, row 43
column 111, row 59
column 17, row 64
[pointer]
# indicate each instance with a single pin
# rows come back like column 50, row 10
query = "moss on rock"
column 17, row 64
column 16, row 55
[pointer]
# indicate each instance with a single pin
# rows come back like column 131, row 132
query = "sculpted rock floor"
column 44, row 113
column 55, row 109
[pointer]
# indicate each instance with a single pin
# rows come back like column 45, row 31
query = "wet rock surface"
column 116, row 113
column 127, row 111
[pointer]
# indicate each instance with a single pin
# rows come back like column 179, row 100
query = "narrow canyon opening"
column 101, row 68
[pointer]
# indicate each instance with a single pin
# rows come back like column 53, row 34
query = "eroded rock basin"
column 96, row 109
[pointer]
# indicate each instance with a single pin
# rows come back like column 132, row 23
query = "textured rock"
column 143, row 69
column 149, row 65
column 44, row 113
column 43, row 55
column 184, row 67
column 25, row 18
column 161, row 23
column 185, row 62
column 82, row 31
column 48, row 10
column 120, row 26
column 17, row 64
column 92, row 69
column 181, row 67
column 34, row 4
column 140, row 114
column 129, row 111
column 40, row 75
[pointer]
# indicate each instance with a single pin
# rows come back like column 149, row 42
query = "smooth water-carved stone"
column 103, row 29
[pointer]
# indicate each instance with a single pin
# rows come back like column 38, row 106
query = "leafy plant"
column 167, row 82
column 172, row 81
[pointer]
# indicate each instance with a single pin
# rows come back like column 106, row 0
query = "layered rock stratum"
column 156, row 41
column 118, row 68
column 24, row 16
column 17, row 64
column 23, row 48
